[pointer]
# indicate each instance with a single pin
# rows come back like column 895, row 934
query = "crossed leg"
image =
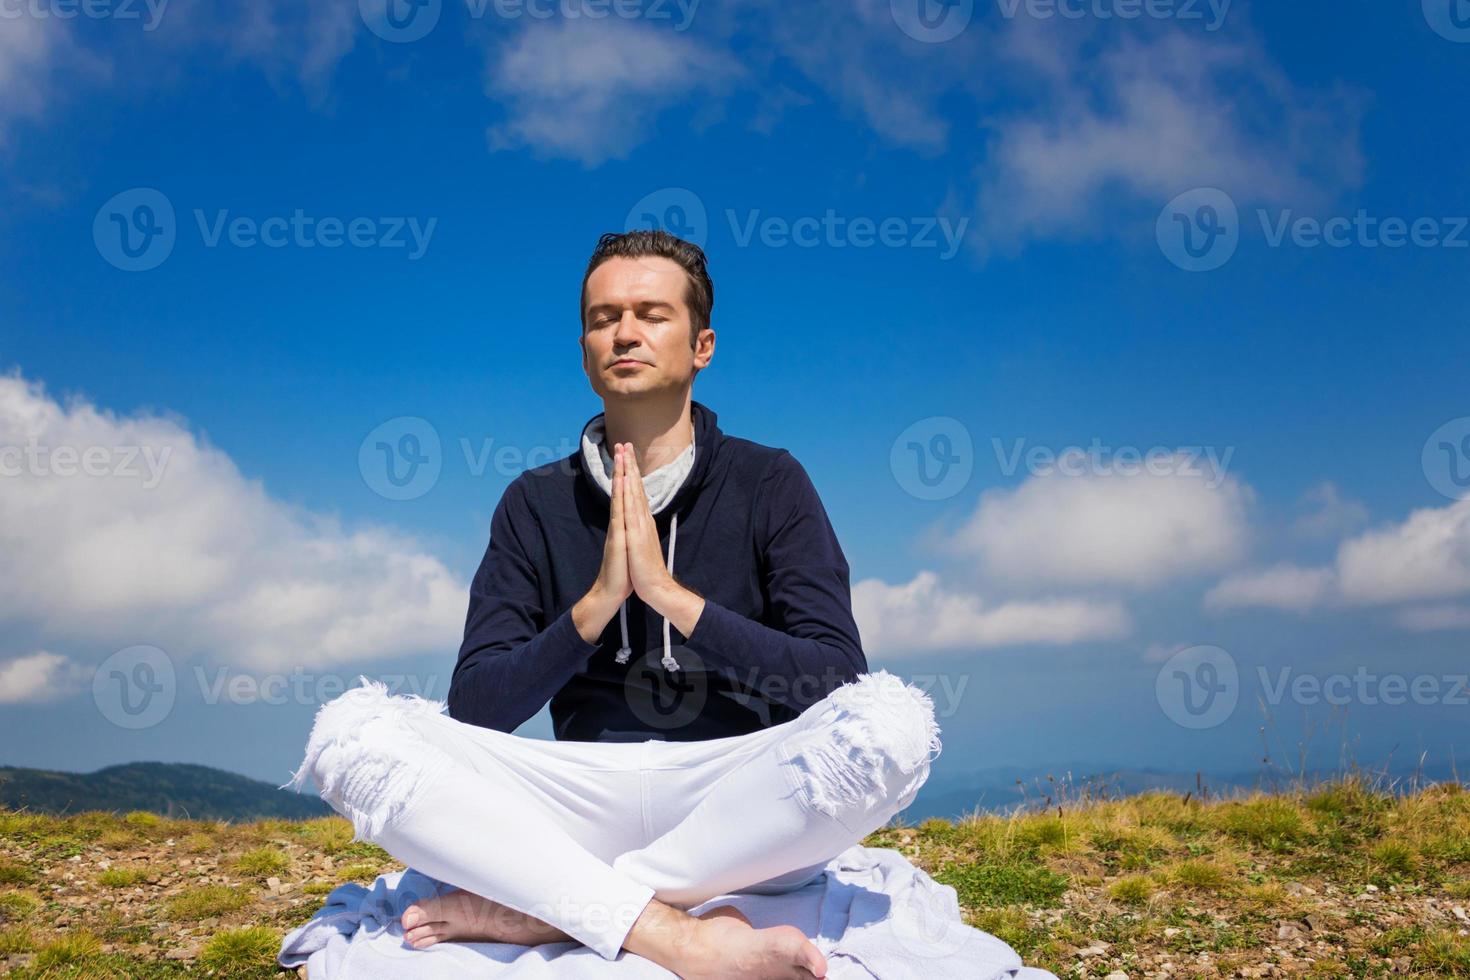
column 551, row 831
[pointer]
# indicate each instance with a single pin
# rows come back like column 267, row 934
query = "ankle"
column 663, row 934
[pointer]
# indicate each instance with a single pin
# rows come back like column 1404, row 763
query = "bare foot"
column 722, row 945
column 467, row 917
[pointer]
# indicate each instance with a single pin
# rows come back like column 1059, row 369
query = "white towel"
column 872, row 913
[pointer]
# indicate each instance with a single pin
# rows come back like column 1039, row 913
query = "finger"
column 639, row 500
column 616, row 523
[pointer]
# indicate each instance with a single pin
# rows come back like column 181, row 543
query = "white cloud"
column 40, row 676
column 1425, row 557
column 1283, row 586
column 33, row 51
column 188, row 554
column 921, row 615
column 1328, row 513
column 43, row 59
column 1108, row 528
column 1147, row 119
column 590, row 90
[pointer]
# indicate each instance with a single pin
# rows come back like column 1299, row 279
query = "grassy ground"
column 1340, row 880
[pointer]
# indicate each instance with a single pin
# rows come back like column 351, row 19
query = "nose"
column 626, row 335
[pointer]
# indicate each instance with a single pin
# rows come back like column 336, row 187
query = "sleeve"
column 511, row 662
column 812, row 643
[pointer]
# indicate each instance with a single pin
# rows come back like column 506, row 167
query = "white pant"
column 582, row 835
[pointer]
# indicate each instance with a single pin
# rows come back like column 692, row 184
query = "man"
column 745, row 757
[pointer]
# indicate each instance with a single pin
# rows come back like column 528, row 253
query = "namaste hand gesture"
column 632, row 558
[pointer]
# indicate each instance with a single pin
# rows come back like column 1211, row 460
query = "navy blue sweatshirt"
column 776, row 633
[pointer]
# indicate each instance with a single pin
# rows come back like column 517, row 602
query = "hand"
column 646, row 568
column 613, row 581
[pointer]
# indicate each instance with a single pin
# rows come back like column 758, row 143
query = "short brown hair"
column 699, row 292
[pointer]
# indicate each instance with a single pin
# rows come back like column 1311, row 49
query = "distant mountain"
column 172, row 789
column 1004, row 788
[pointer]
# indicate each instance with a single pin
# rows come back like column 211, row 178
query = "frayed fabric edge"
column 368, row 763
column 842, row 762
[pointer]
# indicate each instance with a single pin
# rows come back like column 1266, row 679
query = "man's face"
column 636, row 327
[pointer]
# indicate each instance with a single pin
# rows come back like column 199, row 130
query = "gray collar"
column 660, row 485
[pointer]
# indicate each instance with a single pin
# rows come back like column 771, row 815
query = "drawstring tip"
column 623, row 654
column 669, row 662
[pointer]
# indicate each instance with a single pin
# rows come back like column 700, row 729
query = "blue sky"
column 1034, row 175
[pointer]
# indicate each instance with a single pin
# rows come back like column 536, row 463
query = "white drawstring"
column 626, row 650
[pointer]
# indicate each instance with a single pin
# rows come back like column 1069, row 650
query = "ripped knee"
column 875, row 751
column 366, row 758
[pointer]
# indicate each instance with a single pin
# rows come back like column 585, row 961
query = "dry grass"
column 1346, row 879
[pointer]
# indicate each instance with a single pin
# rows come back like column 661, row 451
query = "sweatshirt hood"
column 670, row 487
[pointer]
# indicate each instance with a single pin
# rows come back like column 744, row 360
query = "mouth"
column 628, row 362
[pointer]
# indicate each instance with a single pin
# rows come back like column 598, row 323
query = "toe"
column 424, row 936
